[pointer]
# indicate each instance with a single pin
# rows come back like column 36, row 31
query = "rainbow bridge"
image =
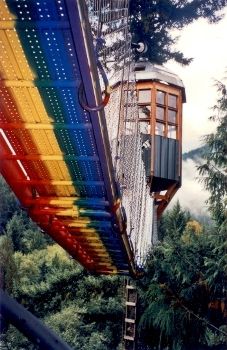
column 55, row 154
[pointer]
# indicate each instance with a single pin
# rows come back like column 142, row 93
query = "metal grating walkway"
column 53, row 154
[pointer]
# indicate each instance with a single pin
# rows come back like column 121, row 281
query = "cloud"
column 192, row 194
column 206, row 43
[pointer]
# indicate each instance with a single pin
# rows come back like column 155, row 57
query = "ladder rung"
column 130, row 303
column 130, row 287
column 129, row 320
column 127, row 337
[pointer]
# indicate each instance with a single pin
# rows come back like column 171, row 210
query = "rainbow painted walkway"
column 53, row 154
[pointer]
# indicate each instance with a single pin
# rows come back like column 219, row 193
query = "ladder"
column 130, row 316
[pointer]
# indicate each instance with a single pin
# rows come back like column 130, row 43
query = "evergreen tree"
column 183, row 292
column 214, row 168
column 152, row 22
column 7, row 281
column 79, row 307
column 9, row 205
column 173, row 222
column 184, row 289
column 25, row 234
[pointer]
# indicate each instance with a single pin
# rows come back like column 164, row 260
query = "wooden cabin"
column 160, row 95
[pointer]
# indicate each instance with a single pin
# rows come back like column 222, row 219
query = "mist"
column 191, row 195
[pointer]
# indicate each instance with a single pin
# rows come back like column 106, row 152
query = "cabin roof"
column 145, row 70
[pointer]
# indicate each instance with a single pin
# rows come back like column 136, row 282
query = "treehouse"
column 160, row 95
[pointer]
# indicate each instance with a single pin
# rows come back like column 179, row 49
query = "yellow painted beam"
column 58, row 182
column 54, row 157
column 43, row 126
column 38, row 83
column 11, row 24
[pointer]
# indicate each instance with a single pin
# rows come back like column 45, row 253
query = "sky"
column 207, row 44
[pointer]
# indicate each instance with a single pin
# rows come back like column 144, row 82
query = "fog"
column 192, row 194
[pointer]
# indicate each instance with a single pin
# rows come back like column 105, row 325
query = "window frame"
column 165, row 120
column 168, row 90
column 146, row 104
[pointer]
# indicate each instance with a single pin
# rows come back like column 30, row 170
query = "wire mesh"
column 110, row 28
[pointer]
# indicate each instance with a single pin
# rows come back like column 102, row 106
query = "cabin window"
column 172, row 101
column 172, row 116
column 144, row 112
column 165, row 109
column 160, row 114
column 144, row 96
column 166, row 114
column 172, row 132
column 144, row 100
column 145, row 127
column 159, row 129
column 160, row 97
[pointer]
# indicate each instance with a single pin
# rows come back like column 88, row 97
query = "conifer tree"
column 214, row 168
column 152, row 22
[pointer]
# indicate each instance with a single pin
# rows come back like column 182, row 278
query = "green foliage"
column 173, row 222
column 15, row 223
column 69, row 322
column 185, row 279
column 8, row 269
column 8, row 204
column 46, row 277
column 214, row 167
column 152, row 21
column 25, row 234
column 86, row 311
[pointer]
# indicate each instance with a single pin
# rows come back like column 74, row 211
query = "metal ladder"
column 130, row 316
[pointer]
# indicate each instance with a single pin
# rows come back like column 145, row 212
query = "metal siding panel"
column 164, row 157
column 177, row 160
column 172, row 159
column 157, row 162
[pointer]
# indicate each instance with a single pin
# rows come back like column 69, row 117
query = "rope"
column 106, row 92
